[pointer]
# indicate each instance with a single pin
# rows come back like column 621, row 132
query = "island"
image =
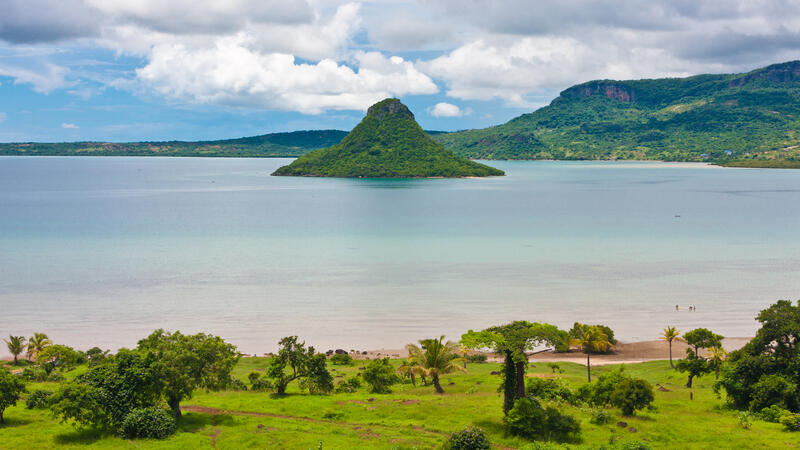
column 388, row 143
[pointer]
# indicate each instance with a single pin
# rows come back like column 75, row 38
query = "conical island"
column 388, row 143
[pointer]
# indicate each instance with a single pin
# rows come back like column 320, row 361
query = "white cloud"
column 234, row 74
column 446, row 110
column 69, row 126
column 44, row 77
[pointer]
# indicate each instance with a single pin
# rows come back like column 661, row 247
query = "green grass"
column 411, row 416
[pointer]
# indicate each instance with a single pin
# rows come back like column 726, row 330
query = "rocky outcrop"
column 614, row 91
column 776, row 73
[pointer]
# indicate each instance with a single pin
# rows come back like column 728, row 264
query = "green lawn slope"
column 388, row 143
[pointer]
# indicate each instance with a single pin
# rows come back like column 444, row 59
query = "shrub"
column 601, row 417
column 477, row 358
column 152, row 423
column 790, row 422
column 259, row 382
column 56, row 377
column 635, row 445
column 342, row 359
column 744, row 420
column 11, row 386
column 379, row 374
column 350, row 385
column 471, row 438
column 33, row 374
column 530, row 420
column 599, row 392
column 549, row 389
column 632, row 394
column 38, row 399
column 773, row 413
column 236, row 384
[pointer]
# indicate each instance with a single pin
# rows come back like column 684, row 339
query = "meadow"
column 415, row 416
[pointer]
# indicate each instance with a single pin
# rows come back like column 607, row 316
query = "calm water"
column 103, row 250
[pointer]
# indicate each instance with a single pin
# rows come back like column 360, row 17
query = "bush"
column 599, row 392
column 601, row 417
column 632, row 394
column 549, row 389
column 341, row 359
column 772, row 389
column 790, row 422
column 635, row 445
column 56, row 377
column 379, row 374
column 477, row 358
column 349, row 386
column 38, row 399
column 471, row 438
column 528, row 419
column 33, row 374
column 148, row 423
column 773, row 413
column 744, row 420
column 259, row 382
column 236, row 384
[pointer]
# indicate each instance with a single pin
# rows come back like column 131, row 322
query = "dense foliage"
column 38, row 399
column 754, row 116
column 388, row 143
column 148, row 423
column 530, row 420
column 632, row 394
column 11, row 386
column 291, row 144
column 470, row 438
column 766, row 371
column 296, row 362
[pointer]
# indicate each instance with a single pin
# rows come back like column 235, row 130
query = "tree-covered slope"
column 291, row 144
column 388, row 143
column 752, row 116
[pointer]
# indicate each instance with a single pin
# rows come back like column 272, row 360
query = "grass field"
column 413, row 416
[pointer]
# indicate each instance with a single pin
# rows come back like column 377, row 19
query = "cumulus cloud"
column 443, row 109
column 44, row 77
column 33, row 21
column 233, row 74
column 69, row 126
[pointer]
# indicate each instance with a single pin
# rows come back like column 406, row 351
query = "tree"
column 301, row 362
column 103, row 396
column 578, row 328
column 702, row 338
column 513, row 340
column 411, row 369
column 11, row 386
column 592, row 339
column 57, row 356
column 716, row 359
column 16, row 345
column 775, row 350
column 670, row 334
column 436, row 357
column 37, row 343
column 695, row 365
column 379, row 374
column 632, row 394
column 187, row 362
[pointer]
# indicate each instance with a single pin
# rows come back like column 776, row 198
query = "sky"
column 133, row 70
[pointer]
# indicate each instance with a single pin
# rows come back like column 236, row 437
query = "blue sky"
column 130, row 70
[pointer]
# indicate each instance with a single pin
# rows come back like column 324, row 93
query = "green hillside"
column 751, row 118
column 291, row 144
column 388, row 143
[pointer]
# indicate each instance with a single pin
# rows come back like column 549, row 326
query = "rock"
column 339, row 351
column 632, row 429
column 260, row 426
column 622, row 424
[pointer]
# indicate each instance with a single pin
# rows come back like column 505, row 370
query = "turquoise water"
column 103, row 250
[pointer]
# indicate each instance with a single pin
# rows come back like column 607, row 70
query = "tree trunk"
column 424, row 380
column 413, row 379
column 15, row 360
column 588, row 368
column 281, row 388
column 436, row 384
column 519, row 384
column 689, row 383
column 508, row 383
column 670, row 355
column 1, row 417
column 175, row 406
column 717, row 371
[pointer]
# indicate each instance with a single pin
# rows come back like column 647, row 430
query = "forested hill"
column 725, row 118
column 291, row 144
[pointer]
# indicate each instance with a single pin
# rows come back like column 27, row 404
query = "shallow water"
column 102, row 250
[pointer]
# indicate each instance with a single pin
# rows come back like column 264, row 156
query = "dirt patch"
column 409, row 402
column 540, row 375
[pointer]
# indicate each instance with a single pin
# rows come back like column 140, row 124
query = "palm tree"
column 592, row 339
column 411, row 369
column 16, row 344
column 717, row 355
column 670, row 334
column 436, row 357
column 37, row 343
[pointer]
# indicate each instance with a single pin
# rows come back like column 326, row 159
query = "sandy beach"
column 624, row 352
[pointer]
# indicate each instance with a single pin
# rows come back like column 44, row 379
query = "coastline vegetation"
column 178, row 391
